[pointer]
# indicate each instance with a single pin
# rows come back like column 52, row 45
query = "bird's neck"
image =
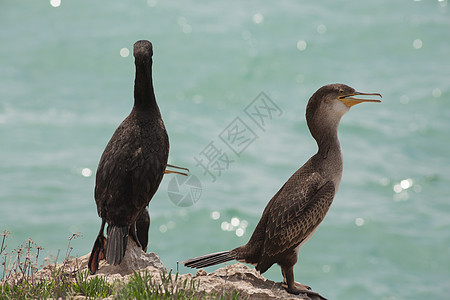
column 144, row 94
column 328, row 141
column 324, row 129
column 329, row 156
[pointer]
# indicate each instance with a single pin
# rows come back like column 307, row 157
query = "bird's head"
column 329, row 103
column 143, row 52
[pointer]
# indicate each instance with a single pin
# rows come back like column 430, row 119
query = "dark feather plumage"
column 133, row 163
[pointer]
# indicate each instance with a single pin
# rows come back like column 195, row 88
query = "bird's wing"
column 114, row 162
column 296, row 212
column 110, row 176
column 146, row 174
column 122, row 172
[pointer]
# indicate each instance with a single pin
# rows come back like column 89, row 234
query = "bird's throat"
column 144, row 95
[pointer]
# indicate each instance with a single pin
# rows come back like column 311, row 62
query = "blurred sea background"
column 66, row 83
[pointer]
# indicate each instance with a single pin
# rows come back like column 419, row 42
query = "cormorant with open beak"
column 293, row 214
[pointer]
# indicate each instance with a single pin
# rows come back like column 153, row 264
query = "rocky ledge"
column 238, row 277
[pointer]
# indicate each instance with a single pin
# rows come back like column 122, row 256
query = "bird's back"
column 131, row 168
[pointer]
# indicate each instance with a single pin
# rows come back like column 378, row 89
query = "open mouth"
column 351, row 100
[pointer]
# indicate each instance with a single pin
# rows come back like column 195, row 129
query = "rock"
column 201, row 272
column 232, row 278
column 245, row 280
column 135, row 259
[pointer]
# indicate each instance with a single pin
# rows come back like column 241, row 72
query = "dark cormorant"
column 131, row 168
column 292, row 216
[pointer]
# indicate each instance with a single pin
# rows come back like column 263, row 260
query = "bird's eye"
column 341, row 91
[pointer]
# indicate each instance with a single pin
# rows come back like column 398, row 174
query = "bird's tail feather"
column 209, row 259
column 116, row 244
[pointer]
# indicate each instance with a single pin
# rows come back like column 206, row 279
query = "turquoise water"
column 66, row 82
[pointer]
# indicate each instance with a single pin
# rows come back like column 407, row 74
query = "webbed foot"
column 298, row 285
column 303, row 289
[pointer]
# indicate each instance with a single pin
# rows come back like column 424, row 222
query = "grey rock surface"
column 227, row 280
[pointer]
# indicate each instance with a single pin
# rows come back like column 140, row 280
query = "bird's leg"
column 98, row 251
column 102, row 253
column 295, row 287
column 167, row 171
column 133, row 234
column 296, row 283
column 292, row 286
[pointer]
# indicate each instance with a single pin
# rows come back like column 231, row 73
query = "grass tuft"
column 143, row 286
column 19, row 280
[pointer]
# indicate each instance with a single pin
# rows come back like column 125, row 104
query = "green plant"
column 95, row 287
column 143, row 286
column 19, row 279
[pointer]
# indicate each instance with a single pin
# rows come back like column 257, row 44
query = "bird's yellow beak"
column 349, row 100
